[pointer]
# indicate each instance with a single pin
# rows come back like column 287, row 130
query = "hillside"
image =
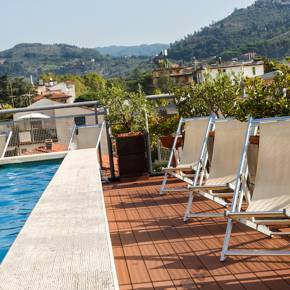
column 263, row 27
column 34, row 59
column 136, row 50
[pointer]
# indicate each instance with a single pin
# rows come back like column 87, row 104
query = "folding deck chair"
column 194, row 154
column 270, row 202
column 220, row 184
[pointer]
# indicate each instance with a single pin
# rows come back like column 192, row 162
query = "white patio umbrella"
column 33, row 116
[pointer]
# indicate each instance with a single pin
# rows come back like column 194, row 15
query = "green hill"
column 135, row 50
column 263, row 27
column 34, row 59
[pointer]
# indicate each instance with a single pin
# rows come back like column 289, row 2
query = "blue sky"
column 91, row 23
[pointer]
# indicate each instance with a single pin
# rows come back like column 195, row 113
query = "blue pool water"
column 21, row 186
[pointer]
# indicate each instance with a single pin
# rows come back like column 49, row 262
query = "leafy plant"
column 216, row 96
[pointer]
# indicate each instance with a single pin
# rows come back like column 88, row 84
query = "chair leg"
column 162, row 189
column 188, row 207
column 226, row 240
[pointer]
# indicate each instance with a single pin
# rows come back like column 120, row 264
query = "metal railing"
column 45, row 129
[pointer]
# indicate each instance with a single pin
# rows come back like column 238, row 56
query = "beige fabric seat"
column 270, row 202
column 195, row 131
column 227, row 150
column 272, row 186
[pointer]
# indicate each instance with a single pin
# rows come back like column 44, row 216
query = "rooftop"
column 155, row 249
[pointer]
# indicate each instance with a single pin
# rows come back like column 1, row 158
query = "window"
column 254, row 70
column 80, row 121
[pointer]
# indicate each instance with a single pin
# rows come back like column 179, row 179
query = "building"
column 55, row 124
column 63, row 92
column 178, row 74
column 187, row 75
column 247, row 69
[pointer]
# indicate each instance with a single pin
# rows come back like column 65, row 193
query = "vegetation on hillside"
column 135, row 50
column 263, row 27
column 224, row 96
column 36, row 59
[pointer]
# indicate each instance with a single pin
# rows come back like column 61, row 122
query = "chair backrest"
column 227, row 150
column 195, row 130
column 272, row 184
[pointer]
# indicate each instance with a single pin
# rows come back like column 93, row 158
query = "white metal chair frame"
column 248, row 217
column 207, row 191
column 200, row 165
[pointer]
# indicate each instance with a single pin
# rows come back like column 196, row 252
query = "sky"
column 92, row 23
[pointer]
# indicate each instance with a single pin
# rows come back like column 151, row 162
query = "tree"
column 216, row 96
column 126, row 109
column 16, row 91
column 4, row 89
column 264, row 99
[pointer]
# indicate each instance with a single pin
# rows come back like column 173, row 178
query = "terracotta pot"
column 167, row 141
column 130, row 134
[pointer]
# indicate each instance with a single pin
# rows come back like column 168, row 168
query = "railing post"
column 110, row 147
column 148, row 144
column 99, row 147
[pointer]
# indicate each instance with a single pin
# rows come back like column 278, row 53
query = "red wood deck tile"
column 154, row 249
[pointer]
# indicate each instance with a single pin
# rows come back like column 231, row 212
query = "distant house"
column 56, row 124
column 33, row 130
column 63, row 92
column 248, row 69
column 187, row 75
column 178, row 74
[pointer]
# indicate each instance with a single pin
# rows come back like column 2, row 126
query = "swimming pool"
column 21, row 186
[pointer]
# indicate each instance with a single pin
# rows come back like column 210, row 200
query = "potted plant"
column 127, row 119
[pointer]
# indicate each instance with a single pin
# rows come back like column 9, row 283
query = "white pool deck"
column 65, row 243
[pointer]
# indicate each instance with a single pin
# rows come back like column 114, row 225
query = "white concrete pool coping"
column 65, row 243
column 32, row 158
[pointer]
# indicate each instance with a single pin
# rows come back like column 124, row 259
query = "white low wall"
column 31, row 158
column 2, row 144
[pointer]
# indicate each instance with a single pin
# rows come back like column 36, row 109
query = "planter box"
column 132, row 154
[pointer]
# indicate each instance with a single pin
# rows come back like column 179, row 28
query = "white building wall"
column 246, row 70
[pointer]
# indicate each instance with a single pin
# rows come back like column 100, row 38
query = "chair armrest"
column 209, row 187
column 258, row 214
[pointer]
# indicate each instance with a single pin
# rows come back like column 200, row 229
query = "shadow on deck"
column 154, row 249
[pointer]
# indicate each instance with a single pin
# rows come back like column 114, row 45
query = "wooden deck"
column 154, row 249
